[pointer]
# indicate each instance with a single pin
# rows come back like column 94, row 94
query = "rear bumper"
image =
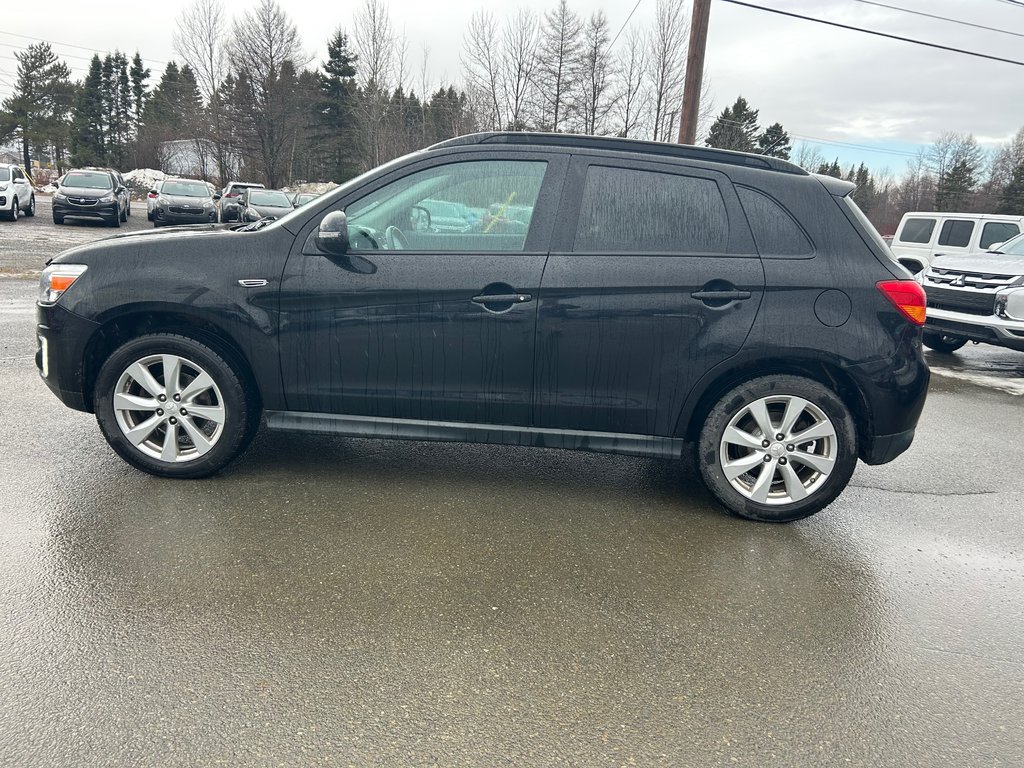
column 62, row 338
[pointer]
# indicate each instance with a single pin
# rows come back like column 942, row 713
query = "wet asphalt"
column 357, row 602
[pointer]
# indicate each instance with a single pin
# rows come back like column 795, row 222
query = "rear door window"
column 917, row 231
column 956, row 233
column 776, row 232
column 997, row 232
column 639, row 211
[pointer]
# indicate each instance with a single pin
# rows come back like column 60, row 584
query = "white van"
column 923, row 235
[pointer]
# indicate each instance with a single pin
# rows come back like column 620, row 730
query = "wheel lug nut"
column 765, row 443
column 177, row 398
column 159, row 411
column 782, row 460
column 161, row 398
column 173, row 420
column 184, row 412
column 780, row 436
column 790, row 448
column 767, row 458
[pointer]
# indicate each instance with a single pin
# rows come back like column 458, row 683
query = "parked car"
column 301, row 198
column 229, row 199
column 663, row 300
column 93, row 194
column 16, row 192
column 151, row 195
column 976, row 297
column 921, row 236
column 184, row 201
column 259, row 204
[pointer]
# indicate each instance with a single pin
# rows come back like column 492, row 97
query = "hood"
column 272, row 210
column 995, row 263
column 129, row 240
column 84, row 192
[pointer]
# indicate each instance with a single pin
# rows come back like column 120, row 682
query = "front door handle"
column 721, row 295
column 502, row 298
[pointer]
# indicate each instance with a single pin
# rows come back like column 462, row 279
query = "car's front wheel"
column 778, row 448
column 12, row 215
column 941, row 342
column 31, row 210
column 172, row 406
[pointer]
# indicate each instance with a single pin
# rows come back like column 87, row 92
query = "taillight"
column 231, row 194
column 151, row 196
column 907, row 296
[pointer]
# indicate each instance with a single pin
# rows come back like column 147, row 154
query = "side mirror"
column 216, row 196
column 332, row 237
column 252, row 215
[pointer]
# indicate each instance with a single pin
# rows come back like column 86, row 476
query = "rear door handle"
column 721, row 295
column 502, row 298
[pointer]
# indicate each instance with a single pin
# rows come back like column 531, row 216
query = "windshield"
column 185, row 189
column 5, row 174
column 269, row 197
column 87, row 180
column 1014, row 247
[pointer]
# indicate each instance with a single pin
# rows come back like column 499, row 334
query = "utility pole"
column 694, row 71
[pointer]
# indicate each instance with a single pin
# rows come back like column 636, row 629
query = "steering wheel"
column 367, row 234
column 396, row 239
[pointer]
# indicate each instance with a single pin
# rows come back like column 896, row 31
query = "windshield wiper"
column 258, row 224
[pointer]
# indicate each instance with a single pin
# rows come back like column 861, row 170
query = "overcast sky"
column 823, row 84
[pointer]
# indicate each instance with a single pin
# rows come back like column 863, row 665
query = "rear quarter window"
column 639, row 211
column 917, row 231
column 997, row 232
column 776, row 232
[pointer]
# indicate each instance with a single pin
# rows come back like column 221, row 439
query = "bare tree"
column 375, row 43
column 1007, row 158
column 631, row 66
column 518, row 66
column 668, row 41
column 558, row 65
column 481, row 60
column 807, row 156
column 266, row 43
column 596, row 98
column 201, row 39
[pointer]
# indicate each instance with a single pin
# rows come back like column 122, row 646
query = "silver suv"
column 16, row 193
column 976, row 297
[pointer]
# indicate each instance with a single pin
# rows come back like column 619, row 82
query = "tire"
column 12, row 215
column 156, row 223
column 198, row 446
column 116, row 221
column 58, row 219
column 942, row 343
column 805, row 475
column 124, row 215
column 149, row 215
column 31, row 211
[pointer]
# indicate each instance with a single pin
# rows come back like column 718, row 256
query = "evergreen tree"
column 336, row 109
column 36, row 113
column 955, row 186
column 866, row 193
column 736, row 128
column 139, row 74
column 831, row 169
column 774, row 142
column 1012, row 199
column 88, row 129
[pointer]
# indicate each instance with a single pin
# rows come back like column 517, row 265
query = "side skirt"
column 462, row 432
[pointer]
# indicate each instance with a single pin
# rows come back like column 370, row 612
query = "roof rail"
column 616, row 144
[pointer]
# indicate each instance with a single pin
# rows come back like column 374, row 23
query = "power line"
column 805, row 137
column 878, row 34
column 66, row 45
column 1013, row 2
column 612, row 43
column 941, row 18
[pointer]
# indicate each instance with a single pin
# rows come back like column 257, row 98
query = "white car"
column 151, row 198
column 16, row 193
column 924, row 235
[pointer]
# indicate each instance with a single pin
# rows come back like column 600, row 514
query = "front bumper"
column 106, row 211
column 63, row 338
column 165, row 216
column 988, row 329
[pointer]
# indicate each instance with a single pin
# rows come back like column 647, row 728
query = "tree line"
column 246, row 99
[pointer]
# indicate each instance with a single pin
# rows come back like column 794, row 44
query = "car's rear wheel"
column 942, row 342
column 124, row 215
column 172, row 406
column 12, row 215
column 778, row 448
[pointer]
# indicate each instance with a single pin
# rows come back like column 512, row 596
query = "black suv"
column 590, row 293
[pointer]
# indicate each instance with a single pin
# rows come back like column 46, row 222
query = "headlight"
column 59, row 196
column 56, row 279
column 163, row 201
column 3, row 187
column 1013, row 303
column 107, row 199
